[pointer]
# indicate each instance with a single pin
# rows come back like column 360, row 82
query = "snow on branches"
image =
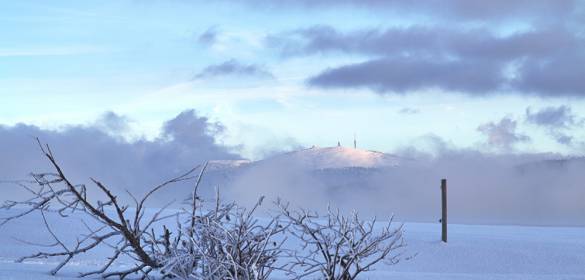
column 220, row 241
column 339, row 247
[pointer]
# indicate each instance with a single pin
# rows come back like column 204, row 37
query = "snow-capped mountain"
column 317, row 158
column 328, row 167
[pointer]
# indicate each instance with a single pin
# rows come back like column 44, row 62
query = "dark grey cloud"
column 92, row 151
column 502, row 135
column 542, row 62
column 425, row 41
column 534, row 10
column 555, row 117
column 561, row 74
column 556, row 120
column 562, row 138
column 405, row 74
column 209, row 37
column 233, row 67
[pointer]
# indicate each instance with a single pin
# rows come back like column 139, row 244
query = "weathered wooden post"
column 444, row 210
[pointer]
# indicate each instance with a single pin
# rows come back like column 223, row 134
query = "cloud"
column 484, row 188
column 276, row 145
column 539, row 62
column 94, row 150
column 538, row 189
column 561, row 74
column 552, row 117
column 209, row 37
column 112, row 123
column 562, row 138
column 424, row 41
column 502, row 135
column 233, row 67
column 406, row 74
column 409, row 111
column 556, row 120
column 535, row 10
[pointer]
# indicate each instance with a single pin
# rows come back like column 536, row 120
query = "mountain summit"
column 336, row 157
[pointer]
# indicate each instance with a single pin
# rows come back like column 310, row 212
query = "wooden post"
column 444, row 210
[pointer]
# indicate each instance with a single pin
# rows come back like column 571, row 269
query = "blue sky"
column 499, row 77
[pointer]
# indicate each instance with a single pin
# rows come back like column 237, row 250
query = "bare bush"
column 339, row 247
column 221, row 242
column 128, row 233
column 229, row 243
column 225, row 242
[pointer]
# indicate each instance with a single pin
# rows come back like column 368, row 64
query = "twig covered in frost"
column 221, row 242
column 55, row 192
column 228, row 243
column 339, row 247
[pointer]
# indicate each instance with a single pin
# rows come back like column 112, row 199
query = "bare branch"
column 339, row 247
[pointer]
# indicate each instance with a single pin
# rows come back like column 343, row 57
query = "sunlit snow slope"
column 336, row 157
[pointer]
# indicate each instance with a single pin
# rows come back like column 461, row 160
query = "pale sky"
column 501, row 76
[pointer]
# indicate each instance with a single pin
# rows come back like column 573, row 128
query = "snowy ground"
column 473, row 252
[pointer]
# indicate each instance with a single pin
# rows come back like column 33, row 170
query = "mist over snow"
column 509, row 188
column 532, row 189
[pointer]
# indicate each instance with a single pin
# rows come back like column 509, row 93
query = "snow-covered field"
column 473, row 252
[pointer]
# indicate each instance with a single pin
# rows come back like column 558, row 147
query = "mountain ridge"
column 318, row 158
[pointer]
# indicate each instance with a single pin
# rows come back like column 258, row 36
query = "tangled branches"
column 128, row 234
column 229, row 243
column 339, row 247
column 221, row 242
